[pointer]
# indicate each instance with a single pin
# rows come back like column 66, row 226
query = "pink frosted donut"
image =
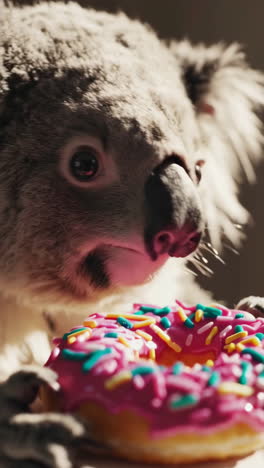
column 173, row 384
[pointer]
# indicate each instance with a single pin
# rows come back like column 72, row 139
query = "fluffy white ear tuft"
column 227, row 95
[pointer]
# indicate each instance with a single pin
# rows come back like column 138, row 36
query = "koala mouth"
column 125, row 264
column 110, row 266
column 94, row 267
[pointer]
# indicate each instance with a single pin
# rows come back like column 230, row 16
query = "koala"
column 121, row 157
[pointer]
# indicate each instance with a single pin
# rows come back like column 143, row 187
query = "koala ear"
column 227, row 95
column 220, row 84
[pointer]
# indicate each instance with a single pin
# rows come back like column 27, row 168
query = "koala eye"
column 84, row 164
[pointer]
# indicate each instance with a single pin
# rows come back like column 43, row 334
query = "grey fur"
column 48, row 440
column 253, row 304
column 84, row 86
column 68, row 74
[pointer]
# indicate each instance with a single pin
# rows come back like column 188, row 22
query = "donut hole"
column 168, row 357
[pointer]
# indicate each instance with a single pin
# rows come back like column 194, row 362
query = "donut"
column 174, row 384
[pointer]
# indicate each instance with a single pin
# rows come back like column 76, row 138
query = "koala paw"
column 47, row 440
column 252, row 304
column 21, row 389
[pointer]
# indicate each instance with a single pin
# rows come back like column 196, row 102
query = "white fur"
column 25, row 337
column 232, row 138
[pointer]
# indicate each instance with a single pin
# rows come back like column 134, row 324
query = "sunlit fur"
column 231, row 137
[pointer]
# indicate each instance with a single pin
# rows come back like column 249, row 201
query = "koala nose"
column 175, row 243
column 174, row 223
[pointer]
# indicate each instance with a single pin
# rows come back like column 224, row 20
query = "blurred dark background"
column 210, row 21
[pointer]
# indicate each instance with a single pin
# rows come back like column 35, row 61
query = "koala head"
column 104, row 131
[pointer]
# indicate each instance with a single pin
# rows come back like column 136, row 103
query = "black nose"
column 175, row 242
column 174, row 222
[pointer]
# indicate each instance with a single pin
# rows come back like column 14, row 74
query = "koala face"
column 101, row 176
column 99, row 156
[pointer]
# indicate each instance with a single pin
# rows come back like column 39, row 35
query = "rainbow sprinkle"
column 246, row 368
column 93, row 358
column 71, row 339
column 126, row 316
column 118, row 379
column 111, row 335
column 236, row 389
column 211, row 335
column 214, row 379
column 156, row 310
column 184, row 402
column 146, row 323
column 189, row 339
column 230, row 347
column 252, row 340
column 260, row 336
column 189, row 323
column 239, row 347
column 236, row 336
column 124, row 322
column 163, row 311
column 165, row 322
column 122, row 340
column 206, row 327
column 183, row 317
column 177, row 368
column 144, row 335
column 142, row 370
column 146, row 309
column 90, row 323
column 166, row 338
column 254, row 353
column 224, row 332
column 211, row 312
column 198, row 315
column 209, row 363
column 74, row 332
column 74, row 355
column 182, row 314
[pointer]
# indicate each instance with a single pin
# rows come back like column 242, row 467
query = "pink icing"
column 153, row 394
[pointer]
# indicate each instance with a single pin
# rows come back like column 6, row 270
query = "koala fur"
column 72, row 77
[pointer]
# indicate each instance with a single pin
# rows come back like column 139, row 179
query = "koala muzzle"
column 174, row 224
